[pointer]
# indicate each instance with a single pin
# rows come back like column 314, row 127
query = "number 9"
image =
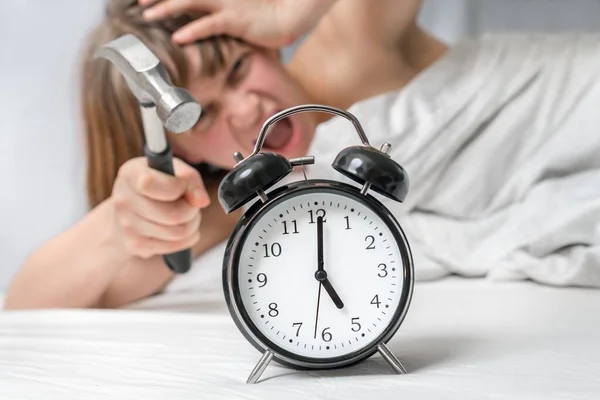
column 262, row 278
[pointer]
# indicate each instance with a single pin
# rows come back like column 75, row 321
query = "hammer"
column 161, row 104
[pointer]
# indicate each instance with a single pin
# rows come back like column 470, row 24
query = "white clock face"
column 362, row 261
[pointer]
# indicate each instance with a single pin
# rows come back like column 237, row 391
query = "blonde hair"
column 111, row 115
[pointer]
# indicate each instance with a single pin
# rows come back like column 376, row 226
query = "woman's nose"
column 244, row 112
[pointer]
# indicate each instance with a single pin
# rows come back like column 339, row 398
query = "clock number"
column 383, row 271
column 273, row 312
column 355, row 325
column 376, row 300
column 320, row 213
column 285, row 228
column 275, row 250
column 299, row 326
column 347, row 222
column 261, row 278
column 326, row 336
column 372, row 244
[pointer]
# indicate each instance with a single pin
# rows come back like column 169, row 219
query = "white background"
column 42, row 180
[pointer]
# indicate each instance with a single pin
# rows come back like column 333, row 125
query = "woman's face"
column 252, row 86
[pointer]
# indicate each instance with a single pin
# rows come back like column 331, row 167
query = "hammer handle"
column 181, row 261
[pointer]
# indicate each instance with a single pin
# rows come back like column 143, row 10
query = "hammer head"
column 150, row 83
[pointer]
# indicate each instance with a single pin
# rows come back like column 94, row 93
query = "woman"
column 497, row 134
column 112, row 256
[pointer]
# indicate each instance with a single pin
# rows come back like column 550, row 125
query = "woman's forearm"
column 72, row 270
column 86, row 266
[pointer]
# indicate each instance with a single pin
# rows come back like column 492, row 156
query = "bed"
column 462, row 339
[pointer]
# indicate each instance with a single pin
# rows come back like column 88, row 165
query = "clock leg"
column 260, row 367
column 391, row 359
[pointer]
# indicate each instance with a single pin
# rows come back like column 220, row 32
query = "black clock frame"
column 231, row 267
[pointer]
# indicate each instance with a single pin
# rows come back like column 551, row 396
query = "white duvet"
column 501, row 140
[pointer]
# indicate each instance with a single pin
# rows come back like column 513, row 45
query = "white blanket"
column 501, row 142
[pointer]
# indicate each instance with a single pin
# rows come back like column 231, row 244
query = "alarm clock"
column 317, row 274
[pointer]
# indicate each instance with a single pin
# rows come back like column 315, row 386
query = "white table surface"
column 462, row 339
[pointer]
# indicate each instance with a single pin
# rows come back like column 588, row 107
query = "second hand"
column 318, row 301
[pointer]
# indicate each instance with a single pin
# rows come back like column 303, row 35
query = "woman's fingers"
column 170, row 8
column 156, row 213
column 164, row 213
column 144, row 247
column 222, row 23
column 267, row 23
column 157, row 185
column 149, row 227
column 147, row 2
column 135, row 225
column 195, row 192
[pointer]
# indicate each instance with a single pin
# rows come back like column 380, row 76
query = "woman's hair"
column 111, row 114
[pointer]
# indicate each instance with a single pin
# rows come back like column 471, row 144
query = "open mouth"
column 280, row 136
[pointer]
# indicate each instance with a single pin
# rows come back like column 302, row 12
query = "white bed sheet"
column 463, row 339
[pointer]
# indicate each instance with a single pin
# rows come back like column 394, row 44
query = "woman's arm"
column 86, row 266
column 112, row 256
column 138, row 280
column 370, row 47
column 357, row 49
column 73, row 269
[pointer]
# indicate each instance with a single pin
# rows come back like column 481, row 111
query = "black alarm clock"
column 317, row 274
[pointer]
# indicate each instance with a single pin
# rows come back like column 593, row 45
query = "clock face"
column 285, row 296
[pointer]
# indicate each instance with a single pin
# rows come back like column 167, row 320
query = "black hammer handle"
column 181, row 261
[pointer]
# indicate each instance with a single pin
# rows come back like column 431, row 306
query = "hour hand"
column 321, row 276
column 332, row 293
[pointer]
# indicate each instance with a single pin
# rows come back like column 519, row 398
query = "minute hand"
column 321, row 275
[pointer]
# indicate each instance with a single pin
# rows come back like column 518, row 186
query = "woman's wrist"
column 109, row 241
column 298, row 18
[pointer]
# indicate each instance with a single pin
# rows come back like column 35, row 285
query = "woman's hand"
column 156, row 213
column 106, row 258
column 267, row 23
